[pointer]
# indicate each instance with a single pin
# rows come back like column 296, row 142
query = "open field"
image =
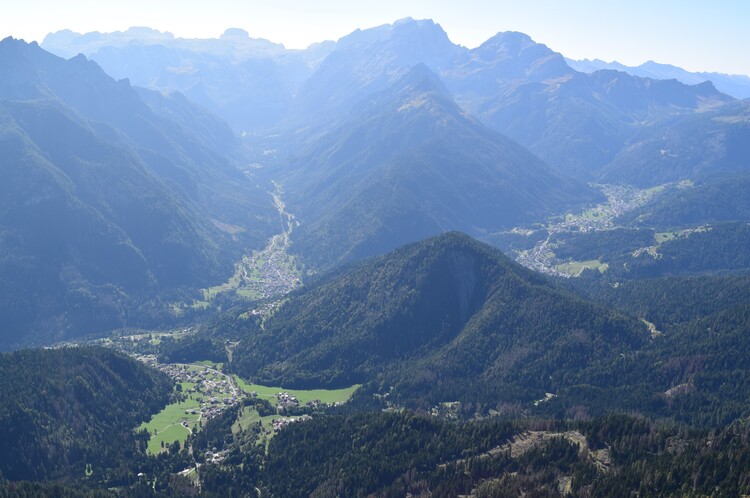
column 166, row 426
column 328, row 396
column 207, row 391
column 203, row 380
column 662, row 237
column 249, row 416
column 208, row 363
column 169, row 435
column 575, row 268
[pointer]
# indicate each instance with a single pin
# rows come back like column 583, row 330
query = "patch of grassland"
column 168, row 436
column 575, row 268
column 167, row 426
column 227, row 227
column 207, row 363
column 662, row 237
column 249, row 293
column 210, row 293
column 248, row 417
column 592, row 214
column 328, row 396
column 653, row 191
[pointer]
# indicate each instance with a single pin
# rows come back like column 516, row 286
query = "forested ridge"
column 666, row 300
column 64, row 409
column 459, row 412
column 444, row 319
column 114, row 202
column 391, row 455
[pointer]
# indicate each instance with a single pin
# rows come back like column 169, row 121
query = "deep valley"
column 386, row 265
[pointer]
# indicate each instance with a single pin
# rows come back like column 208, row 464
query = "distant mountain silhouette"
column 367, row 61
column 249, row 82
column 736, row 85
column 575, row 121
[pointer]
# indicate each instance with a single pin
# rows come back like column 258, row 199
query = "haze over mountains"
column 248, row 82
column 386, row 136
column 408, row 163
column 736, row 85
column 389, row 135
column 232, row 212
column 573, row 120
column 586, row 126
column 108, row 199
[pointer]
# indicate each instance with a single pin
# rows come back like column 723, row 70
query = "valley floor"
column 620, row 200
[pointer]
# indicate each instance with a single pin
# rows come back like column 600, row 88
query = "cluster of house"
column 179, row 373
column 280, row 423
column 287, row 400
column 215, row 456
column 446, row 410
column 148, row 359
column 272, row 275
column 216, row 389
column 264, row 309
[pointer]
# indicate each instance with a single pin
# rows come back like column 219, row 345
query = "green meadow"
column 329, row 396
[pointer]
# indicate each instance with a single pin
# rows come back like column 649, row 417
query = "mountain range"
column 387, row 136
column 736, row 85
column 685, row 147
column 110, row 195
column 186, row 186
column 450, row 319
column 249, row 82
column 407, row 163
column 573, row 120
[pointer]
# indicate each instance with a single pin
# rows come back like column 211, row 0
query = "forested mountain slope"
column 443, row 319
column 408, row 163
column 64, row 409
column 108, row 202
column 691, row 146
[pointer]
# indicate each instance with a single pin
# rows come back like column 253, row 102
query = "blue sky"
column 697, row 35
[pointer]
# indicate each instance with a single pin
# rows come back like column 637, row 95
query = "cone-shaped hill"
column 443, row 319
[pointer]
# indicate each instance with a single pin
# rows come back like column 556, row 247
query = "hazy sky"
column 710, row 35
